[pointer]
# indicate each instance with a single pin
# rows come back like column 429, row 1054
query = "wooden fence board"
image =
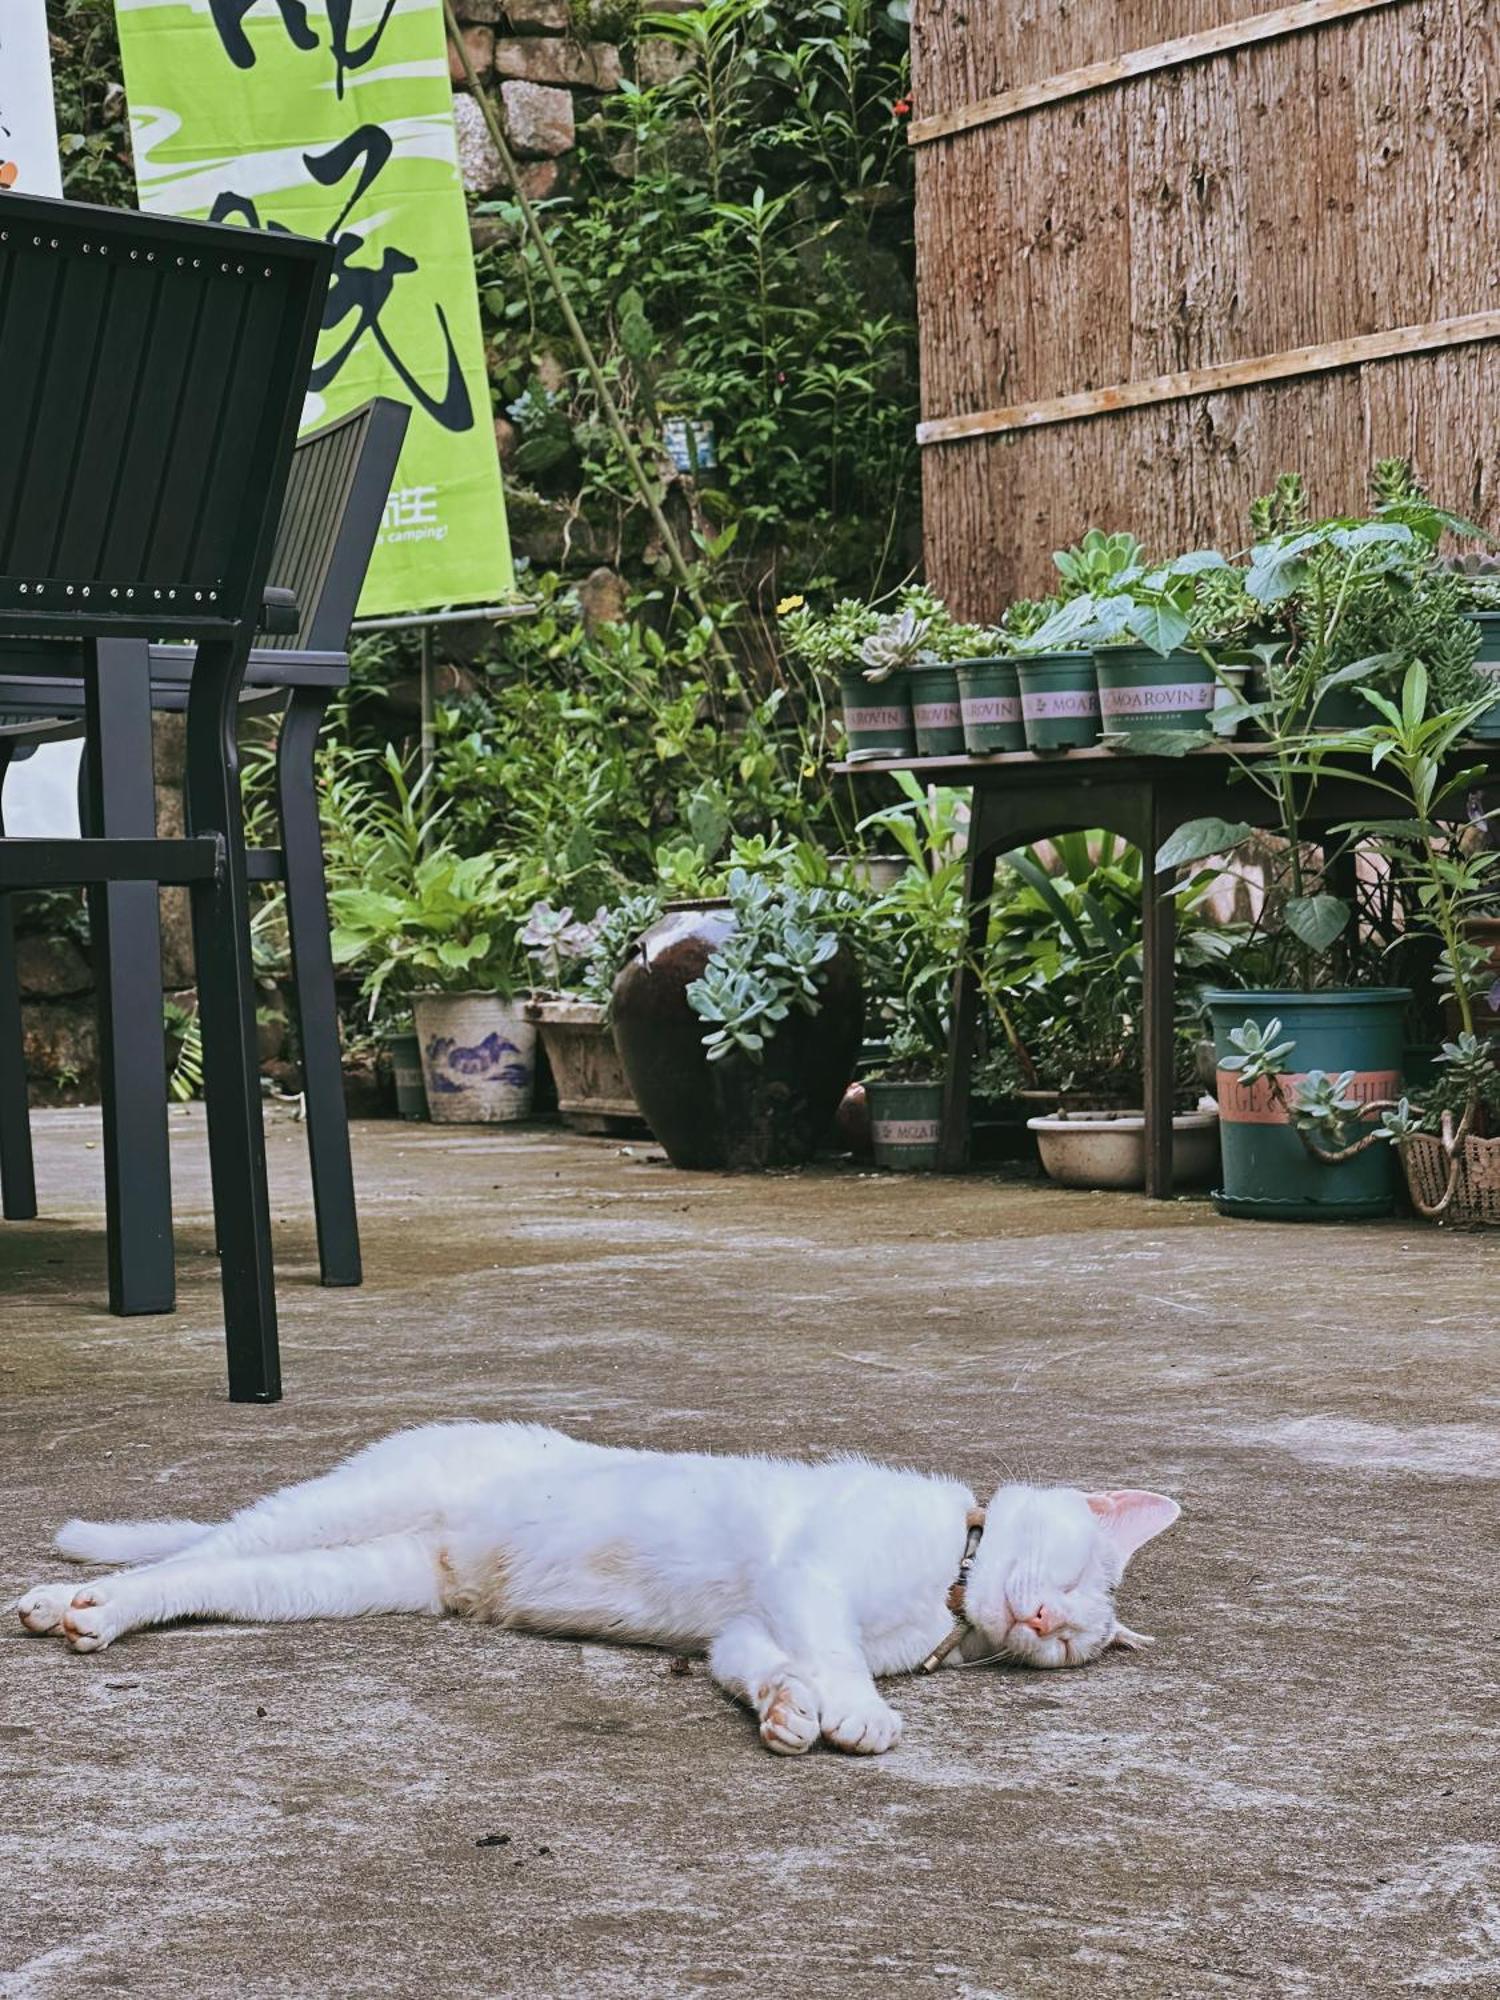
column 1305, row 191
column 1220, row 40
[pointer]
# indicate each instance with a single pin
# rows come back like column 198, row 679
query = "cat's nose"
column 1041, row 1621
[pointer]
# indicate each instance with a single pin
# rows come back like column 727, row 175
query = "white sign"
column 28, row 124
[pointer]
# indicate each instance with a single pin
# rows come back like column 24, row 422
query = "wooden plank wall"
column 1340, row 181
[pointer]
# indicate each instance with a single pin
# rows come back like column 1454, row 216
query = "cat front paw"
column 90, row 1620
column 41, row 1610
column 858, row 1721
column 788, row 1711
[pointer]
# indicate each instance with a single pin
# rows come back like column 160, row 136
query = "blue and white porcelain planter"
column 478, row 1057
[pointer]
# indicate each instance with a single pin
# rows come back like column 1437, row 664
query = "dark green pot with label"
column 905, row 1124
column 1487, row 660
column 405, row 1052
column 877, row 714
column 1142, row 690
column 1059, row 700
column 989, row 696
column 1268, row 1172
column 936, row 716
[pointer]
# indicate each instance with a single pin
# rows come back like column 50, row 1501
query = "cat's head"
column 1042, row 1588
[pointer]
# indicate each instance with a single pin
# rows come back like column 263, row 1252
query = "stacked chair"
column 160, row 547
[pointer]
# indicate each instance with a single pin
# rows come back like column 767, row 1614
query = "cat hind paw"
column 788, row 1711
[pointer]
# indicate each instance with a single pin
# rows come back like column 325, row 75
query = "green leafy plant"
column 451, row 926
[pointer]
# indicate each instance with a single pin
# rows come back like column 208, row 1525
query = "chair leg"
column 312, row 973
column 17, row 1172
column 226, row 1008
column 125, row 923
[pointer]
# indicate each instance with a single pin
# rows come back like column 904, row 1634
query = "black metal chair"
column 336, row 495
column 153, row 375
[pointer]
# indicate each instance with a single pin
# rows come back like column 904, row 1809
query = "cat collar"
column 958, row 1592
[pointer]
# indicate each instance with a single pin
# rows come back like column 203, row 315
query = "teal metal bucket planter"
column 935, row 713
column 405, row 1052
column 989, row 697
column 1487, row 660
column 1059, row 700
column 1268, row 1172
column 1140, row 689
column 877, row 715
column 905, row 1124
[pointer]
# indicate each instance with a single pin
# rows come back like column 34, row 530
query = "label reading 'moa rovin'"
column 905, row 1131
column 876, row 718
column 1170, row 699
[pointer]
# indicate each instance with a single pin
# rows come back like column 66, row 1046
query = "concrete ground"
column 1295, row 1793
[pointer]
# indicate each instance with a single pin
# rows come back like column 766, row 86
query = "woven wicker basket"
column 1475, row 1202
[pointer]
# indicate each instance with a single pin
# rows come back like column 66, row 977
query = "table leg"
column 979, row 883
column 17, row 1172
column 125, row 926
column 226, row 1007
column 1158, row 1006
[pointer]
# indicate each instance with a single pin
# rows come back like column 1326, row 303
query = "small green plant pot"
column 989, row 696
column 935, row 712
column 1269, row 1174
column 405, row 1052
column 1142, row 690
column 877, row 715
column 1487, row 660
column 905, row 1125
column 1059, row 700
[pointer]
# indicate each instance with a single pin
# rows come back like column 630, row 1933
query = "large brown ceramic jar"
column 732, row 1114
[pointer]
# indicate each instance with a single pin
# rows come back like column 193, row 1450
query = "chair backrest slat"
column 162, row 514
column 336, row 495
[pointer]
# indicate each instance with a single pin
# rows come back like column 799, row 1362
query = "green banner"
column 335, row 119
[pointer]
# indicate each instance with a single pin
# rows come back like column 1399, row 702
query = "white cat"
column 802, row 1582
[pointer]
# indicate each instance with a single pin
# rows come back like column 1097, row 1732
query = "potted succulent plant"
column 1054, row 662
column 989, row 686
column 445, row 934
column 738, row 1019
column 876, row 689
column 571, row 1014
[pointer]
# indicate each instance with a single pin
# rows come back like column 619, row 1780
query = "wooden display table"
column 1020, row 797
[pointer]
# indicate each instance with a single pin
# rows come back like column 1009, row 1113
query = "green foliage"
column 583, row 750
column 93, row 134
column 1062, row 970
column 734, row 244
column 450, row 926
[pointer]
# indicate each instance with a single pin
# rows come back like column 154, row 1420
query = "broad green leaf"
column 1198, row 838
column 1162, row 627
column 1316, row 920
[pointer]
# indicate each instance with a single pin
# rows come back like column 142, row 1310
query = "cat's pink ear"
column 1130, row 1519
